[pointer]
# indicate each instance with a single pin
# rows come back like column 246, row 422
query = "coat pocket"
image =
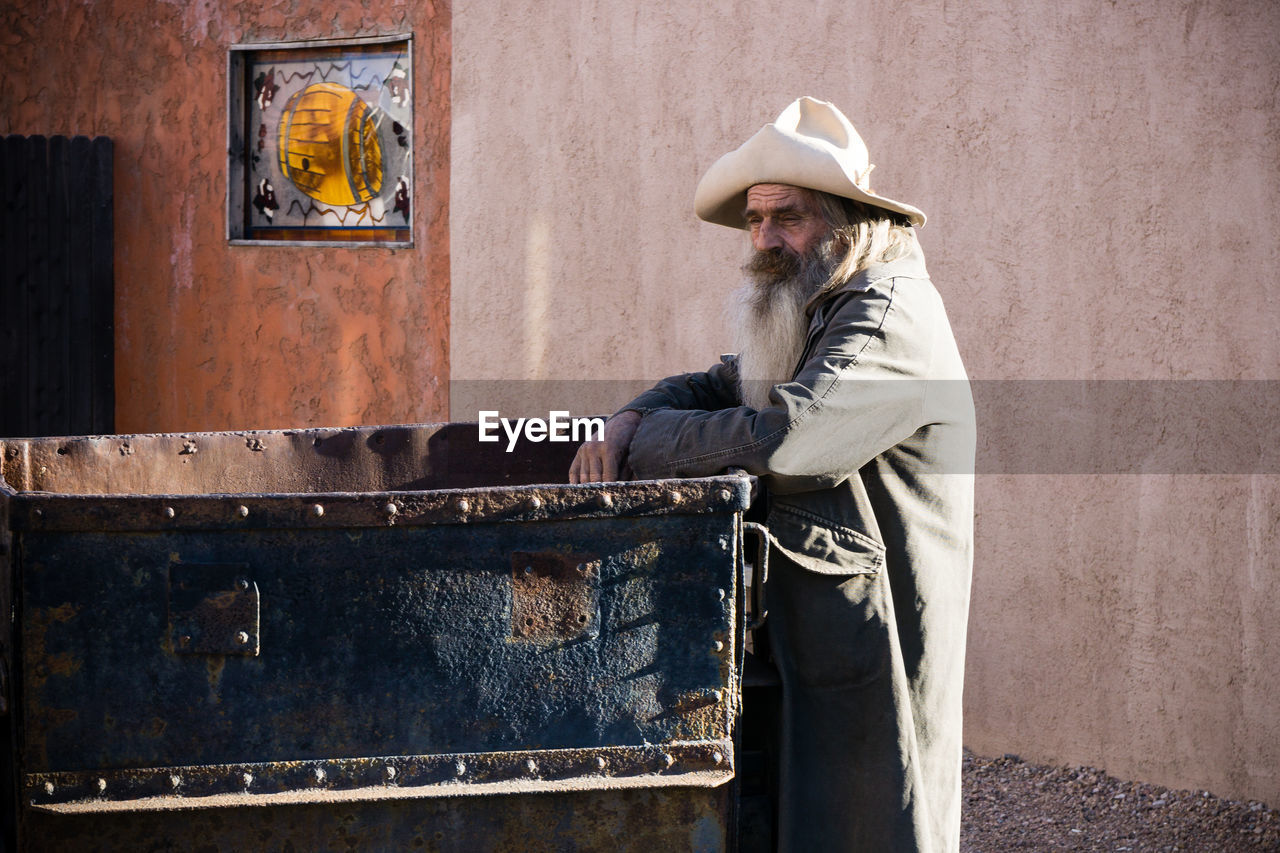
column 818, row 545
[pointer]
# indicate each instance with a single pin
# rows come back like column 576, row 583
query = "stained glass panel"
column 324, row 151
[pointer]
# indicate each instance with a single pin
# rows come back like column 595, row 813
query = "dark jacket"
column 867, row 450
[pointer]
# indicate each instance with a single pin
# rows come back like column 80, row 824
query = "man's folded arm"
column 858, row 396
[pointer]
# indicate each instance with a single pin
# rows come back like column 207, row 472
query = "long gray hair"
column 866, row 235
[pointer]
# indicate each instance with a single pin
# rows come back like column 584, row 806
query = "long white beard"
column 769, row 330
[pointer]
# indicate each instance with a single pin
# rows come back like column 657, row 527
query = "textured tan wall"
column 211, row 336
column 1101, row 182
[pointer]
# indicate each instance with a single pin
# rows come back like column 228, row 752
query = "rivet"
column 721, row 594
column 535, row 502
column 605, row 500
column 319, row 774
column 102, row 786
column 243, row 511
column 247, row 778
column 242, row 637
column 674, row 498
column 175, row 780
column 185, row 639
column 528, row 570
column 718, row 646
column 462, row 505
column 48, row 787
column 600, row 762
column 531, row 766
column 39, row 513
column 668, row 759
column 390, row 509
column 716, row 696
column 717, row 757
column 391, row 772
column 242, row 583
column 459, row 768
column 317, row 510
column 726, row 495
column 169, row 512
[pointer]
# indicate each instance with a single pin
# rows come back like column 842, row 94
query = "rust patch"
column 554, row 596
column 213, row 610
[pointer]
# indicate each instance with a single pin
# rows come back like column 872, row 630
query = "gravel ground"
column 1012, row 805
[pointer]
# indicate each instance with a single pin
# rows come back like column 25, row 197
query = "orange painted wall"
column 211, row 336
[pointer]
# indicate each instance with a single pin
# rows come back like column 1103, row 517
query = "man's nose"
column 767, row 237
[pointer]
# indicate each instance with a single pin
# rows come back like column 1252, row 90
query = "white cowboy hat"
column 810, row 145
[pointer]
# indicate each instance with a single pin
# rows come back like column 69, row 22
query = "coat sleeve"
column 859, row 393
column 713, row 389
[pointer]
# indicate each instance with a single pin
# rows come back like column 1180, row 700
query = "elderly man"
column 849, row 400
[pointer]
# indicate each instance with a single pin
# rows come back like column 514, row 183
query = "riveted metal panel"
column 264, row 653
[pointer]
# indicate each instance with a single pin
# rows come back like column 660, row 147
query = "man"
column 849, row 400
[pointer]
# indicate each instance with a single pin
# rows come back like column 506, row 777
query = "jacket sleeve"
column 713, row 389
column 859, row 393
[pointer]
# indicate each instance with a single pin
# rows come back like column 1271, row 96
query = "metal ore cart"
column 373, row 638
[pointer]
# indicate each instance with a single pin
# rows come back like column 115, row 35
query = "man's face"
column 783, row 217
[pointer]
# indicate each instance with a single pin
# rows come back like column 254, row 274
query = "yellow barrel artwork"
column 329, row 145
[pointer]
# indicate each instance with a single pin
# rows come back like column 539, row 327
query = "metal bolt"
column 242, row 638
column 528, row 570
column 185, row 640
column 317, row 510
column 675, row 498
column 531, row 766
column 717, row 757
column 243, row 583
column 247, row 778
column 48, row 787
column 725, row 495
column 721, row 594
column 175, row 780
column 39, row 513
column 668, row 759
column 243, row 511
column 390, row 509
column 535, row 502
column 102, row 786
column 605, row 500
column 459, row 768
column 169, row 512
column 319, row 774
column 718, row 646
column 716, row 696
column 462, row 505
column 600, row 762
column 391, row 772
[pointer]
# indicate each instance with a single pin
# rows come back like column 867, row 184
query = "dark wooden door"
column 56, row 287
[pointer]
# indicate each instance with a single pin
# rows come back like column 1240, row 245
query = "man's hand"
column 601, row 461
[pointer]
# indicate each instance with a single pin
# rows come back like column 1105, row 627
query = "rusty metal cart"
column 371, row 638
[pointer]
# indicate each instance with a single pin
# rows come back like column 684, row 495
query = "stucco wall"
column 1101, row 182
column 212, row 336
